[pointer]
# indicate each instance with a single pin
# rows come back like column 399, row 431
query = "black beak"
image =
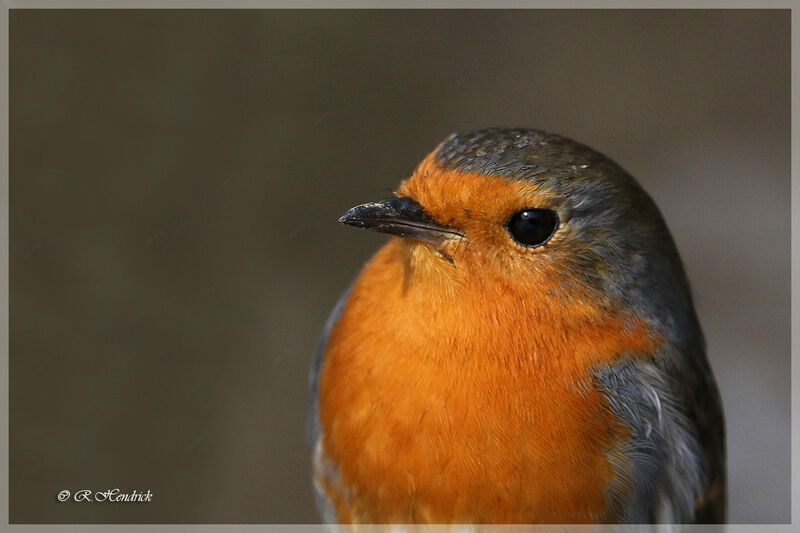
column 399, row 216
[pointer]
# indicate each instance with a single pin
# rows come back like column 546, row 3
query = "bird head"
column 539, row 214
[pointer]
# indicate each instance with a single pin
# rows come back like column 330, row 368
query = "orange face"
column 479, row 206
column 457, row 383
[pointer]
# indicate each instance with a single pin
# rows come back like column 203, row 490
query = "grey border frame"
column 5, row 5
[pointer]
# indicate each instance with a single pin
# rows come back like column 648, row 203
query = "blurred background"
column 176, row 177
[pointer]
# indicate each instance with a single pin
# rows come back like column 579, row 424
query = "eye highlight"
column 532, row 226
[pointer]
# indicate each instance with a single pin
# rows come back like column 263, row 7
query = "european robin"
column 524, row 349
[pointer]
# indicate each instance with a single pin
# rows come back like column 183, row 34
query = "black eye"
column 532, row 226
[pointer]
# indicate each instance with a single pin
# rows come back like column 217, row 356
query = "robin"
column 524, row 349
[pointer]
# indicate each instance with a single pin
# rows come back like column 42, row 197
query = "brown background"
column 176, row 178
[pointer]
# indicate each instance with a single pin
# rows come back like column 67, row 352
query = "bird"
column 523, row 349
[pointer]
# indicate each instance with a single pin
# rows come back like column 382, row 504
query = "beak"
column 402, row 217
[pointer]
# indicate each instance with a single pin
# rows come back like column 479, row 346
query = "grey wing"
column 677, row 454
column 313, row 429
column 706, row 406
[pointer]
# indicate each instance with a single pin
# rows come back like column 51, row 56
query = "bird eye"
column 532, row 226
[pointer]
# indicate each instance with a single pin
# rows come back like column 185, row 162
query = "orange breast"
column 470, row 400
